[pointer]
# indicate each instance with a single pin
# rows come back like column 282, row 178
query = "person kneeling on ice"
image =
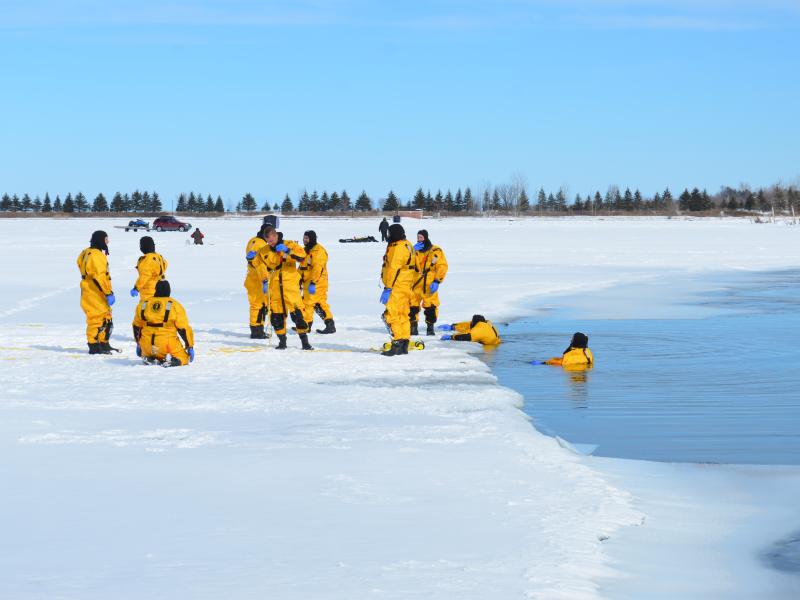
column 157, row 323
column 576, row 356
column 477, row 330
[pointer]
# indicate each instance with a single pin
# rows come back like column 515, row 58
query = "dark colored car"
column 170, row 224
column 138, row 224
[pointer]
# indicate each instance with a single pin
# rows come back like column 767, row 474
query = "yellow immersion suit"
column 399, row 273
column 482, row 332
column 574, row 358
column 253, row 282
column 284, row 286
column 151, row 267
column 432, row 265
column 95, row 286
column 314, row 269
column 156, row 326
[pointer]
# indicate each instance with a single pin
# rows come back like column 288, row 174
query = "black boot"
column 94, row 348
column 394, row 349
column 403, row 347
column 330, row 327
column 106, row 348
column 281, row 342
column 431, row 329
column 257, row 332
column 304, row 341
column 414, row 328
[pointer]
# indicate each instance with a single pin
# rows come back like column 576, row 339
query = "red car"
column 170, row 224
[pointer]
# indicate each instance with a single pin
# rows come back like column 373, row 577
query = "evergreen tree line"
column 505, row 198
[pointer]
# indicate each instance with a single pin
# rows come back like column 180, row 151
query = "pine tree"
column 695, row 200
column 219, row 207
column 181, row 207
column 287, row 206
column 136, row 201
column 430, row 205
column 249, row 202
column 496, row 200
column 146, row 201
column 458, row 202
column 275, row 207
column 324, row 201
column 657, row 202
column 732, row 204
column 81, row 203
column 763, row 203
column 524, row 203
column 419, row 199
column 486, row 201
column 266, row 206
column 705, row 201
column 345, row 202
column 363, row 203
column 37, row 204
column 336, row 201
column 100, row 204
column 191, row 203
column 749, row 201
column 305, row 201
column 69, row 205
column 5, row 203
column 209, row 204
column 391, row 204
column 127, row 205
column 438, row 201
column 313, row 202
column 469, row 203
column 155, row 203
column 541, row 200
column 448, row 201
column 47, row 206
column 27, row 203
column 598, row 201
column 57, row 206
column 16, row 203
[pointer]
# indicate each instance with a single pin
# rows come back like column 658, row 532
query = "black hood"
column 262, row 233
column 312, row 239
column 396, row 233
column 162, row 289
column 579, row 340
column 146, row 244
column 477, row 319
column 426, row 240
column 98, row 241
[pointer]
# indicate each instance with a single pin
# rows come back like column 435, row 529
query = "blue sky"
column 272, row 97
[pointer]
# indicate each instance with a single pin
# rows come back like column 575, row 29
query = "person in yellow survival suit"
column 432, row 267
column 398, row 274
column 281, row 258
column 97, row 297
column 577, row 356
column 152, row 268
column 256, row 282
column 314, row 273
column 157, row 323
column 477, row 330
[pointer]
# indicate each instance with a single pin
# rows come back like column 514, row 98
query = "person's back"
column 151, row 267
column 158, row 322
column 477, row 330
column 577, row 354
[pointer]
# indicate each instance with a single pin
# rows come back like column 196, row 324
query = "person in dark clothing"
column 384, row 228
column 197, row 236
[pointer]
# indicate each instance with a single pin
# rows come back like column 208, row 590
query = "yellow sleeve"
column 319, row 259
column 440, row 267
column 461, row 327
column 182, row 323
column 257, row 244
column 97, row 270
column 296, row 251
column 268, row 257
column 555, row 361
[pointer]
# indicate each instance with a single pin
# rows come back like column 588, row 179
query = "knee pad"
column 320, row 312
column 278, row 320
column 430, row 314
column 297, row 319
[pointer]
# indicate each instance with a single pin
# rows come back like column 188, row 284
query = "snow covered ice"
column 330, row 474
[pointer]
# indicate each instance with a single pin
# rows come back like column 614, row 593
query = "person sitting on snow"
column 576, row 356
column 477, row 330
column 157, row 323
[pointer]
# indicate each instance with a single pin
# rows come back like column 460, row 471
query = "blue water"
column 720, row 388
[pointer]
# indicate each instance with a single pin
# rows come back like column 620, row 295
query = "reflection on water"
column 724, row 388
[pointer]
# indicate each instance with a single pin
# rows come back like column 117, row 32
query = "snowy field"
column 337, row 473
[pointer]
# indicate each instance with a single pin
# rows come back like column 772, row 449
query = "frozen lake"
column 714, row 381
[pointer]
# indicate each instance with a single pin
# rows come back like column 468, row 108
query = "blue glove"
column 251, row 255
column 419, row 246
column 282, row 248
column 446, row 327
column 138, row 350
column 446, row 338
column 434, row 286
column 385, row 295
column 537, row 362
column 264, row 286
column 110, row 299
column 190, row 351
column 312, row 288
column 134, row 292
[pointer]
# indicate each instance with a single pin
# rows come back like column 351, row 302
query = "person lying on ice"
column 156, row 326
column 152, row 268
column 281, row 258
column 576, row 356
column 477, row 330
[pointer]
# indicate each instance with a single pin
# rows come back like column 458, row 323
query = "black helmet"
column 162, row 289
column 579, row 340
column 396, row 233
column 146, row 244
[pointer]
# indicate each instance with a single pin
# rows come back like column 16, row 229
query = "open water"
column 713, row 378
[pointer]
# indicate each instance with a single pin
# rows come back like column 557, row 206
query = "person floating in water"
column 576, row 356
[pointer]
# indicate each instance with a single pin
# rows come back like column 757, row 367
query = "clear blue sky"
column 226, row 97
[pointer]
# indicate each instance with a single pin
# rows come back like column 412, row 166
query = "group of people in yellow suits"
column 158, row 320
column 285, row 280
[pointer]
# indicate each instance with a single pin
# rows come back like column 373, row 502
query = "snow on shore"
column 335, row 474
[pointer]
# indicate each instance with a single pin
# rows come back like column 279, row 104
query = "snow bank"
column 335, row 474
